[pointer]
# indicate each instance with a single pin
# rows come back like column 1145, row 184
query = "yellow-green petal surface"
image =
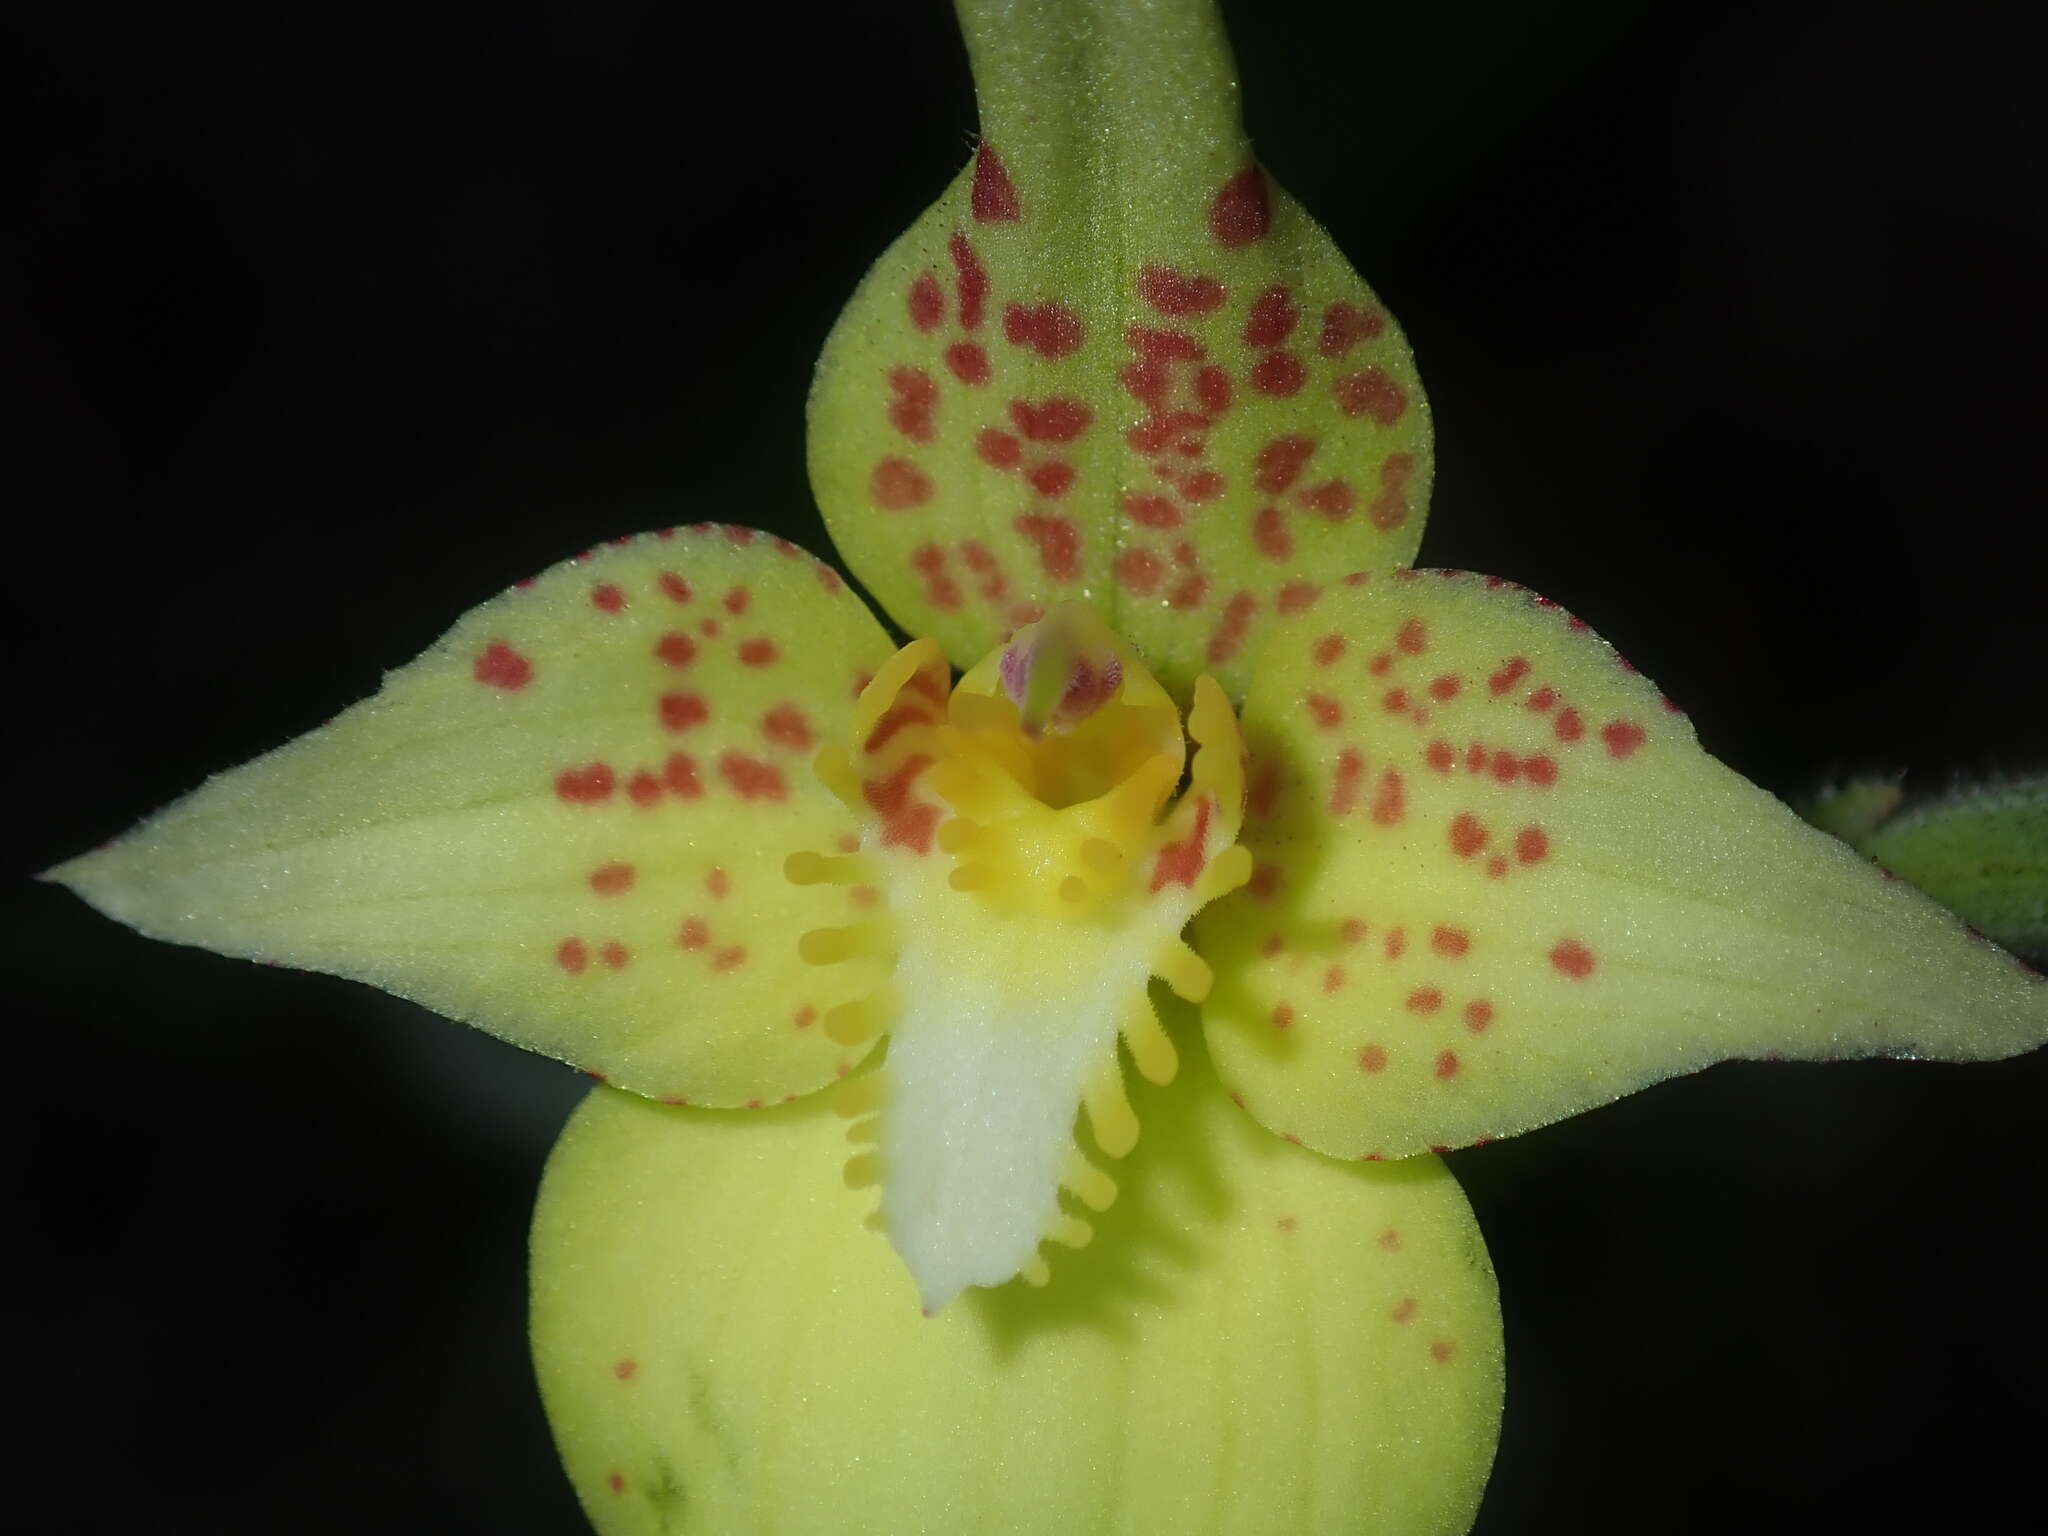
column 1498, row 882
column 1115, row 362
column 565, row 823
column 1260, row 1340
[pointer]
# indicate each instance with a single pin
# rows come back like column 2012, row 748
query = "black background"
column 322, row 324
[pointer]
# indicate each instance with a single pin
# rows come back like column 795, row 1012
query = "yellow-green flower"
column 1116, row 432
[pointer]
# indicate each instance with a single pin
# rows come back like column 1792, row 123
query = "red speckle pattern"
column 993, row 198
column 1473, row 761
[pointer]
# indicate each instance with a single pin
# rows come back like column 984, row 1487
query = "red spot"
column 1370, row 393
column 1333, row 978
column 608, row 598
column 1441, row 756
column 897, row 484
column 1572, row 959
column 589, row 785
column 1295, row 596
column 993, row 198
column 1344, row 784
column 625, row 1368
column 694, row 934
column 740, row 538
column 1151, row 511
column 1056, row 419
column 1059, row 543
column 1569, row 726
column 1230, row 631
column 728, row 959
column 1327, row 650
column 1051, row 480
column 998, row 449
column 994, row 586
column 616, row 1481
column 1241, row 212
column 1390, row 1240
column 735, row 600
column 1444, row 689
column 1413, row 638
column 1425, row 1000
column 1540, row 771
column 1202, row 485
column 805, row 1017
column 915, row 397
column 1446, row 1066
column 1505, row 767
column 1449, row 942
column 679, row 773
column 1475, row 758
column 1394, row 701
column 1270, row 535
column 615, row 954
column 759, row 652
column 1189, row 593
column 1373, row 1058
column 926, row 303
column 1328, row 713
column 1283, row 1015
column 889, row 796
column 611, row 879
column 1467, row 835
column 1404, row 1310
column 1334, row 499
column 1345, row 326
column 968, row 362
column 1279, row 463
column 1138, row 571
column 1050, row 329
column 1543, row 699
column 718, row 883
column 1395, row 943
column 1176, row 293
column 1212, row 391
column 1263, row 792
column 1496, row 866
column 1443, row 1349
column 502, row 667
column 1163, row 344
column 1389, row 799
column 1531, row 845
column 1279, row 374
column 1271, row 320
column 674, row 587
column 644, row 788
column 786, row 726
column 752, row 779
column 676, row 649
column 1622, row 737
column 680, row 711
column 970, row 280
column 1516, row 669
column 1179, row 863
column 572, row 956
column 913, row 829
column 1478, row 1015
column 898, row 716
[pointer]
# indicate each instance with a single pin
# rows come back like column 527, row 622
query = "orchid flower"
column 1024, row 1049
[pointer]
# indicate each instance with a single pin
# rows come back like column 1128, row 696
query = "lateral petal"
column 565, row 823
column 1498, row 882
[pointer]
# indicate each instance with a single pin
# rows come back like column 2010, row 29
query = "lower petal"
column 1264, row 1340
